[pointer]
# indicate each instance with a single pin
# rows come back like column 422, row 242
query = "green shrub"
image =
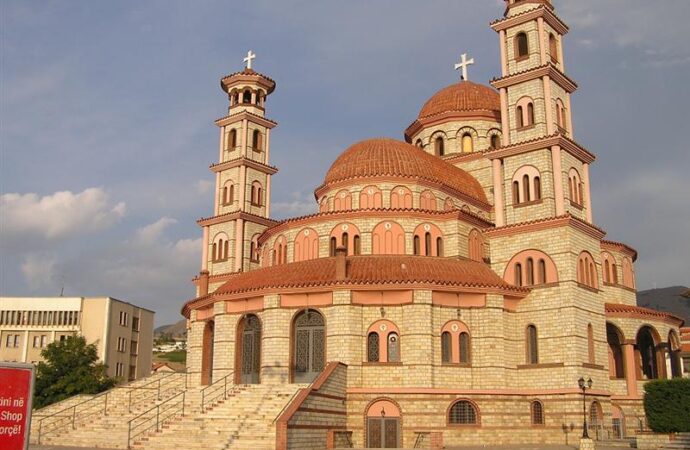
column 667, row 405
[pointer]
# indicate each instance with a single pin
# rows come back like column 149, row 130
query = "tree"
column 667, row 405
column 70, row 367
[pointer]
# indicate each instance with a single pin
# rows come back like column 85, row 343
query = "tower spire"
column 248, row 60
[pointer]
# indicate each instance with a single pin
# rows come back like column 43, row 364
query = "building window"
column 257, row 194
column 37, row 341
column 373, row 347
column 135, row 324
column 119, row 369
column 44, row 341
column 462, row 412
column 467, row 143
column 532, row 345
column 446, row 347
column 220, row 248
column 419, row 143
column 393, row 347
column 228, row 193
column 537, row 412
column 247, row 96
column 124, row 318
column 553, row 48
column 121, row 344
column 232, row 139
column 383, row 342
column 439, row 148
column 518, row 275
column 495, row 141
column 521, row 46
column 586, row 272
column 257, row 143
column 575, row 187
column 134, row 348
column 590, row 344
column 464, row 348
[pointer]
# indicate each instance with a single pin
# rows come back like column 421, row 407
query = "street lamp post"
column 584, row 385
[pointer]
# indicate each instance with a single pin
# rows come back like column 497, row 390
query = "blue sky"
column 107, row 109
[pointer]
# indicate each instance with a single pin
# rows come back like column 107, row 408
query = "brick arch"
column 353, row 241
column 439, row 141
column 609, row 268
column 342, row 201
column 427, row 200
column 373, row 408
column 526, row 185
column 388, row 238
column 467, row 138
column 628, row 273
column 220, row 247
column 575, row 187
column 615, row 339
column 426, row 240
column 542, row 271
column 254, row 251
column 370, row 197
column 650, row 360
column 383, row 329
column 455, row 328
column 401, row 198
column 525, row 115
column 475, row 407
column 586, row 270
column 228, row 193
column 306, row 245
column 279, row 251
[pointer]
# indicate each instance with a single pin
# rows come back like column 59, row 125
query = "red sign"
column 16, row 384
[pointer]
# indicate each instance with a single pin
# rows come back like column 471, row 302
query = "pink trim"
column 401, row 197
column 204, row 249
column 542, row 47
column 306, row 245
column 586, row 192
column 306, row 300
column 458, row 300
column 239, row 245
column 455, row 328
column 536, row 255
column 390, row 409
column 245, row 305
column 370, row 200
column 383, row 328
column 203, row 314
column 388, row 238
column 242, row 197
column 442, row 391
column 499, row 210
column 630, row 369
column 380, row 298
column 504, row 55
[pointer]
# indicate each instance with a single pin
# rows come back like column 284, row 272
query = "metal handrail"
column 160, row 383
column 288, row 403
column 210, row 393
column 70, row 414
column 163, row 408
column 421, row 436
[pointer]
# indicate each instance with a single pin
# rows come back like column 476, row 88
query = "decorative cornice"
column 541, row 143
column 637, row 312
column 227, row 217
column 540, row 11
column 620, row 247
column 243, row 161
column 547, row 69
column 247, row 76
column 236, row 117
column 547, row 223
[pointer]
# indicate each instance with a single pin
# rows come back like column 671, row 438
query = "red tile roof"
column 463, row 96
column 390, row 157
column 391, row 271
column 638, row 311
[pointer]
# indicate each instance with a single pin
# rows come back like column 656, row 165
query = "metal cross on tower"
column 464, row 64
column 249, row 58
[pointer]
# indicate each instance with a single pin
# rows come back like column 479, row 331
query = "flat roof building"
column 122, row 332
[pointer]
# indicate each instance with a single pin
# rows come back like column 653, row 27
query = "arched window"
column 220, row 247
column 591, row 358
column 257, row 141
column 419, row 143
column 232, row 140
column 280, row 251
column 530, row 114
column 228, row 193
column 522, row 270
column 648, row 358
column 537, row 188
column 333, row 243
column 426, row 238
column 537, row 412
column 542, row 271
column 388, row 238
column 401, row 197
column 516, row 192
column 518, row 275
column 257, row 194
column 416, row 246
column 306, row 245
column 373, row 347
column 235, row 98
column 464, row 348
column 586, row 273
column 247, row 96
column 575, row 186
column 476, row 245
column 495, row 141
column 530, row 271
column 521, row 46
column 370, row 197
column 346, row 235
column 463, row 412
column 553, row 48
column 532, row 345
column 467, row 143
column 439, row 246
column 427, row 201
column 342, row 201
column 427, row 244
column 609, row 269
column 393, row 347
column 628, row 273
column 254, row 249
column 614, row 338
column 446, row 347
column 525, row 113
column 357, row 245
column 526, row 188
column 439, row 148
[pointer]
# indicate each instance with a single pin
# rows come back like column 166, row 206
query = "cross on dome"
column 464, row 64
column 249, row 58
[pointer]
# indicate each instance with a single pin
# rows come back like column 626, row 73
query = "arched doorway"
column 309, row 346
column 618, row 422
column 648, row 357
column 383, row 425
column 207, row 354
column 249, row 350
column 596, row 421
column 674, row 355
column 614, row 337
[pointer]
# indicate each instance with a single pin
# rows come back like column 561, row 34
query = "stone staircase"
column 245, row 420
column 681, row 442
column 102, row 421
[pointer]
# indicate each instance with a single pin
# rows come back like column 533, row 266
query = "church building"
column 453, row 286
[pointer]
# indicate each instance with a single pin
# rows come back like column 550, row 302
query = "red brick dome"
column 463, row 96
column 385, row 157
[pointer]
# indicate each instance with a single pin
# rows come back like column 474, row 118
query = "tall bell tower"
column 540, row 171
column 242, row 201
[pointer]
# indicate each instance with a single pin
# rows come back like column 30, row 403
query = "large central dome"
column 464, row 96
column 383, row 157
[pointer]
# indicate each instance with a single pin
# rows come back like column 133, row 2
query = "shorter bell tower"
column 242, row 201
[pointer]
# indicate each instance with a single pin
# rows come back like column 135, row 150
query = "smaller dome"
column 463, row 96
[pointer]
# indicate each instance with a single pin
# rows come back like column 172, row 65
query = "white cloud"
column 300, row 205
column 58, row 215
column 203, row 186
column 39, row 271
column 151, row 233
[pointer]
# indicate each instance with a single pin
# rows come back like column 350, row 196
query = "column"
column 569, row 116
column 245, row 137
column 239, row 245
column 542, row 40
column 268, row 145
column 630, row 369
column 561, row 58
column 242, row 187
column 499, row 209
column 268, row 196
column 216, row 196
column 585, row 192
column 548, row 100
column 557, row 180
column 504, row 53
column 204, row 249
column 505, row 119
column 221, row 146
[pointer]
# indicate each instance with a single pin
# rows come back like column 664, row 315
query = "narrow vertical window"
column 373, row 347
column 439, row 246
column 530, row 114
column 495, row 141
column 516, row 193
column 393, row 347
column 333, row 244
column 520, row 122
column 345, row 242
column 537, row 188
column 233, row 139
column 532, row 349
column 415, row 246
column 439, row 147
column 530, row 271
column 464, row 348
column 525, row 188
column 427, row 244
column 446, row 347
column 521, row 45
column 358, row 245
column 467, row 144
column 537, row 413
column 518, row 274
column 590, row 344
column 542, row 271
column 553, row 48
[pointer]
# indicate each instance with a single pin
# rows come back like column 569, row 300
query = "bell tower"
column 552, row 170
column 242, row 200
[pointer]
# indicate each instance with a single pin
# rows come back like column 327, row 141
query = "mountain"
column 176, row 330
column 674, row 299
